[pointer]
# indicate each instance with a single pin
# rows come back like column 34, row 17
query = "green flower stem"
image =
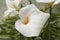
column 49, row 26
column 30, row 1
column 50, row 13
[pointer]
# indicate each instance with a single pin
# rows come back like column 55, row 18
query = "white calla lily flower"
column 12, row 7
column 49, row 1
column 10, row 13
column 13, row 4
column 31, row 21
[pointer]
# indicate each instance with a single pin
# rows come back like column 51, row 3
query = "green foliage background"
column 8, row 31
column 52, row 32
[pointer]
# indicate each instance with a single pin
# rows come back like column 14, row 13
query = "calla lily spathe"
column 12, row 7
column 48, row 1
column 13, row 4
column 36, row 21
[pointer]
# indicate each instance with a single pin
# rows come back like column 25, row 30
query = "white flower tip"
column 57, row 2
column 44, row 1
column 6, row 13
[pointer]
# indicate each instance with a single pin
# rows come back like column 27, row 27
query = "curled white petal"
column 10, row 13
column 13, row 13
column 10, row 4
column 57, row 2
column 6, row 13
column 37, row 19
column 17, row 2
column 48, row 1
column 44, row 1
